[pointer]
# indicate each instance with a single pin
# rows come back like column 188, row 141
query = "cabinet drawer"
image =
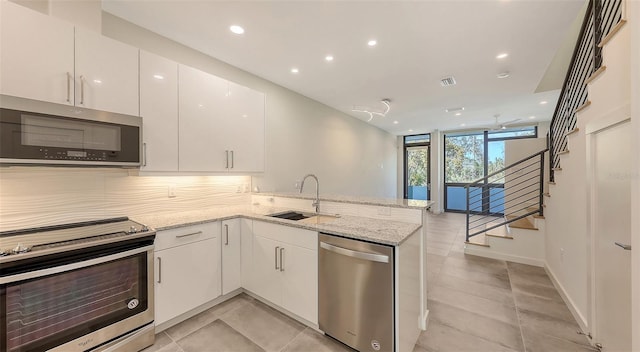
column 184, row 235
column 287, row 234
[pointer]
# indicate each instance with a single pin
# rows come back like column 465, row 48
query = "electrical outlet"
column 561, row 255
column 171, row 191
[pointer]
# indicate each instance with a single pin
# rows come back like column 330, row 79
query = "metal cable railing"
column 506, row 195
column 600, row 18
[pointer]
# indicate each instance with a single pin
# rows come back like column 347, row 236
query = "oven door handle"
column 73, row 266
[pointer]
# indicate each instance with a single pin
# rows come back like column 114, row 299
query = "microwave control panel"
column 74, row 155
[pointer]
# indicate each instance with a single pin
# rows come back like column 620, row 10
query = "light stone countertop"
column 373, row 230
column 388, row 202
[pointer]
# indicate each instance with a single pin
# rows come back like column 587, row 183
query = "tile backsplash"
column 39, row 196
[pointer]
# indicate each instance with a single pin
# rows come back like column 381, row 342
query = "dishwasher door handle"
column 355, row 254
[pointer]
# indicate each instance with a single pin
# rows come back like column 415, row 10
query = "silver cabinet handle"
column 189, row 234
column 226, row 230
column 232, row 159
column 276, row 256
column 144, row 154
column 68, row 87
column 281, row 256
column 159, row 270
column 355, row 254
column 626, row 247
column 227, row 163
column 81, row 90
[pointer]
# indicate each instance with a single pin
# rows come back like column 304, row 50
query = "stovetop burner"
column 18, row 244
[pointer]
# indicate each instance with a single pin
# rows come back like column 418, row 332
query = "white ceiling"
column 418, row 44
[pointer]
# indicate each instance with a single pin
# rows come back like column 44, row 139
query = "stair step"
column 583, row 106
column 566, row 151
column 575, row 130
column 478, row 240
column 523, row 223
column 500, row 232
column 551, row 183
column 557, row 169
column 612, row 33
column 547, row 194
column 595, row 74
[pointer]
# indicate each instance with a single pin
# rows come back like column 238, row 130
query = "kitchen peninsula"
column 249, row 240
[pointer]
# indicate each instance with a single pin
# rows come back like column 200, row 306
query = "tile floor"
column 476, row 304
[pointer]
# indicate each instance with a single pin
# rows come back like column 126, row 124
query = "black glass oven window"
column 51, row 310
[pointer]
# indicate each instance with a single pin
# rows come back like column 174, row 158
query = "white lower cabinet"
column 187, row 269
column 231, row 266
column 285, row 268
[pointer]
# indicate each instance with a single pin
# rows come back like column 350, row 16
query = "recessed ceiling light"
column 410, row 130
column 395, row 122
column 295, row 70
column 97, row 81
column 236, row 29
column 543, row 102
column 458, row 113
column 531, row 117
column 503, row 75
column 463, row 124
column 372, row 42
column 501, row 55
column 329, row 57
column 158, row 76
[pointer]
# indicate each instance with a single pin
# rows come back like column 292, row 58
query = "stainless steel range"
column 77, row 287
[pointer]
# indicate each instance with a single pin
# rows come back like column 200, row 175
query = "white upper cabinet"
column 159, row 111
column 221, row 124
column 202, row 101
column 106, row 73
column 246, row 117
column 36, row 55
column 43, row 60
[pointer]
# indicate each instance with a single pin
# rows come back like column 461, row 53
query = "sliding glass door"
column 417, row 182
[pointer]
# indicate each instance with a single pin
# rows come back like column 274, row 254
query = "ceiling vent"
column 448, row 81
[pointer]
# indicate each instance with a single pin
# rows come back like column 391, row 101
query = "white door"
column 159, row 111
column 245, row 123
column 187, row 276
column 267, row 278
column 300, row 282
column 611, row 202
column 230, row 255
column 36, row 56
column 106, row 73
column 203, row 138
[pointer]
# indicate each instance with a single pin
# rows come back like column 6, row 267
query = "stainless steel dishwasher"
column 355, row 293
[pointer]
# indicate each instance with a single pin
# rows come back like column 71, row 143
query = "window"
column 417, row 168
column 470, row 156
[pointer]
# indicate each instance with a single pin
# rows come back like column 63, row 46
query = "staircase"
column 594, row 88
column 505, row 212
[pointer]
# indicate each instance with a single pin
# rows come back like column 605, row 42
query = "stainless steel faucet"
column 317, row 202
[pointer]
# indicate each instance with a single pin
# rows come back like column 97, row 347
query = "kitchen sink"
column 307, row 218
column 290, row 215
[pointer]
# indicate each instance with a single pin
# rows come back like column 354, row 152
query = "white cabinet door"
column 186, row 276
column 245, row 117
column 231, row 265
column 106, row 73
column 36, row 55
column 300, row 282
column 267, row 276
column 159, row 111
column 246, row 255
column 203, row 134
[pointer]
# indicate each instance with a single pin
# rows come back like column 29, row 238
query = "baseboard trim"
column 503, row 256
column 567, row 300
column 424, row 322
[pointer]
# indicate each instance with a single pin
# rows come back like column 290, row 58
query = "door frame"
column 405, row 150
column 614, row 117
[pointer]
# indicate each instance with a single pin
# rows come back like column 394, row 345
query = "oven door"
column 77, row 305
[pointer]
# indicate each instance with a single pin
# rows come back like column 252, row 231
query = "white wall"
column 38, row 196
column 633, row 17
column 567, row 209
column 303, row 136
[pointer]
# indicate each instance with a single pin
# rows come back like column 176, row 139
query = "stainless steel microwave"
column 35, row 132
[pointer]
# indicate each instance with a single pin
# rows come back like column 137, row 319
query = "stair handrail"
column 505, row 168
